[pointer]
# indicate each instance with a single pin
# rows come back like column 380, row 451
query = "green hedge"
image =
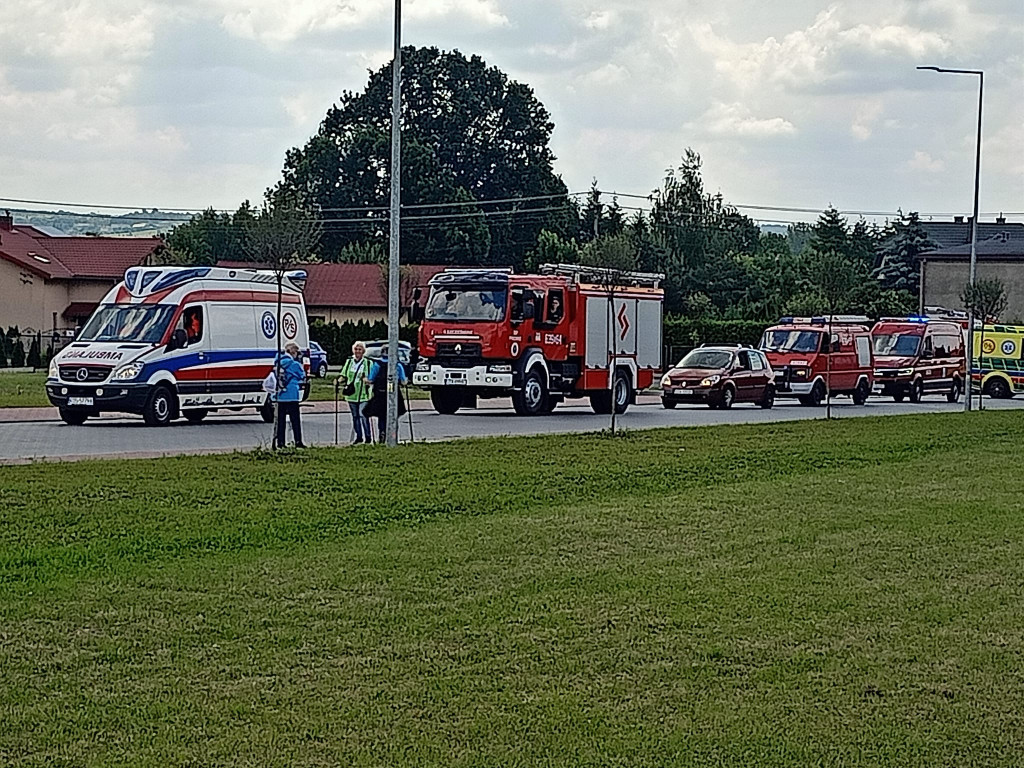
column 692, row 332
column 338, row 339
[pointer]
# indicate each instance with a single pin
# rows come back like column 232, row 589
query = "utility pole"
column 968, row 394
column 396, row 199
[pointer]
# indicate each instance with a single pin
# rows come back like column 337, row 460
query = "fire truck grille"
column 458, row 349
column 84, row 374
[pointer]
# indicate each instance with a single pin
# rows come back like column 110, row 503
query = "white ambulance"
column 180, row 341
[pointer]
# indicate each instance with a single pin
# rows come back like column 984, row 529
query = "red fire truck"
column 569, row 331
column 919, row 355
column 809, row 361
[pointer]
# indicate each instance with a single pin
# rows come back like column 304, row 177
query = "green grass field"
column 844, row 593
column 23, row 390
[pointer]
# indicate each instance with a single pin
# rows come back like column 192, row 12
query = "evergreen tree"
column 34, row 360
column 904, row 241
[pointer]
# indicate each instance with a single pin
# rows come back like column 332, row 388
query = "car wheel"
column 998, row 389
column 445, row 400
column 161, row 408
column 531, row 399
column 953, row 395
column 670, row 404
column 195, row 415
column 768, row 401
column 321, row 370
column 861, row 393
column 727, row 398
column 916, row 391
column 72, row 417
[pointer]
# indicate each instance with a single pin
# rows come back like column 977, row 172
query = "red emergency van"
column 814, row 355
column 919, row 355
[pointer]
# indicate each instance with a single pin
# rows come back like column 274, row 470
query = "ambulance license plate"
column 80, row 401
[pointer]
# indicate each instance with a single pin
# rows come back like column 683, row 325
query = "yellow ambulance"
column 998, row 365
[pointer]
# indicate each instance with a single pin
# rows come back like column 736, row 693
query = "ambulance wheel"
column 916, row 391
column 445, row 400
column 161, row 408
column 532, row 398
column 72, row 417
column 861, row 393
column 267, row 412
column 953, row 395
column 998, row 390
column 195, row 416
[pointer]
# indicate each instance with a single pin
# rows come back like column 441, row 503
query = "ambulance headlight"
column 52, row 372
column 128, row 372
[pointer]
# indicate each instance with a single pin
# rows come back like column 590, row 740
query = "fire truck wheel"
column 953, row 395
column 532, row 399
column 446, row 401
column 916, row 391
column 623, row 391
column 861, row 393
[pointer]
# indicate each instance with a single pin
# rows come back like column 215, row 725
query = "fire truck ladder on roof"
column 581, row 274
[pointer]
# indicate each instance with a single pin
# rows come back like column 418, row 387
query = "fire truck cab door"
column 550, row 324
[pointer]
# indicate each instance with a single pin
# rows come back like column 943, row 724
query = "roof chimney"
column 7, row 222
column 958, row 219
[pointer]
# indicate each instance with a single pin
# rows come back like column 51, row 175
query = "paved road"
column 129, row 436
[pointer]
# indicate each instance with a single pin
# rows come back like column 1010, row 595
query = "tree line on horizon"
column 479, row 188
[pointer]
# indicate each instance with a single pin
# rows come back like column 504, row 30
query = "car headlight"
column 499, row 369
column 710, row 381
column 665, row 380
column 52, row 371
column 128, row 372
column 905, row 372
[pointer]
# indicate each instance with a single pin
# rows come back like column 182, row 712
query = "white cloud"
column 922, row 161
column 864, row 121
column 736, row 120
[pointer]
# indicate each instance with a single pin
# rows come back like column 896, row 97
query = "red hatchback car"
column 719, row 377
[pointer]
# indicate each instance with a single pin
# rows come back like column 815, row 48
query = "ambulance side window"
column 192, row 322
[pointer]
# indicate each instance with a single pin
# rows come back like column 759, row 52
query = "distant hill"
column 131, row 224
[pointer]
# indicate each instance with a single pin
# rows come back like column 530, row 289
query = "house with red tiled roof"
column 341, row 292
column 52, row 283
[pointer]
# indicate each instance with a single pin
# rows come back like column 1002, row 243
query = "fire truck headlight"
column 905, row 372
column 665, row 380
column 128, row 372
column 710, row 381
column 499, row 369
column 52, row 372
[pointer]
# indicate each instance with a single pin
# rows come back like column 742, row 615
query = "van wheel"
column 861, row 393
column 953, row 395
column 195, row 415
column 445, row 400
column 998, row 389
column 72, row 417
column 531, row 399
column 916, row 391
column 266, row 412
column 161, row 408
column 816, row 397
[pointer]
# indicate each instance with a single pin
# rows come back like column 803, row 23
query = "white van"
column 172, row 341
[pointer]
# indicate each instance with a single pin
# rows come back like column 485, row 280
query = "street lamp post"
column 396, row 198
column 974, row 230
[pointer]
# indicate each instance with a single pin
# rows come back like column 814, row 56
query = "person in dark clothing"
column 289, row 387
column 378, row 405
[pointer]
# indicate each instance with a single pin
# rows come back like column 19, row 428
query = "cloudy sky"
column 797, row 103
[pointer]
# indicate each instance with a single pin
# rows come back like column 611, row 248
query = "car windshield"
column 466, row 304
column 712, row 359
column 897, row 344
column 791, row 341
column 143, row 323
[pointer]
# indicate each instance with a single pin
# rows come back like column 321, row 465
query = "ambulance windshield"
column 897, row 344
column 140, row 323
column 805, row 342
column 467, row 304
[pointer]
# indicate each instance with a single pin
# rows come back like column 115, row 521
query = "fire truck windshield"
column 466, row 304
column 791, row 341
column 898, row 344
